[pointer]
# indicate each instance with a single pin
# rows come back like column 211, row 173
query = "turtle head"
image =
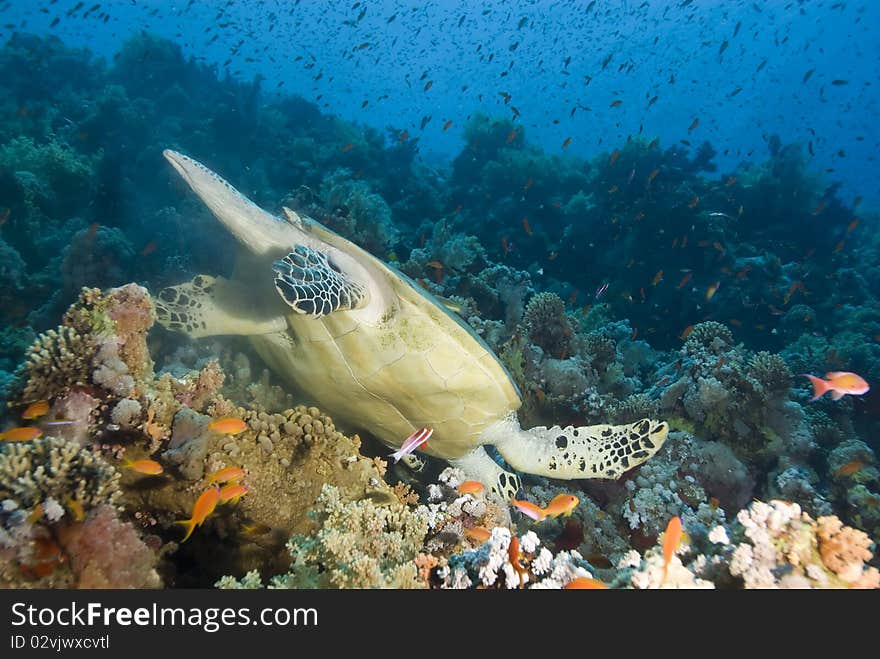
column 254, row 228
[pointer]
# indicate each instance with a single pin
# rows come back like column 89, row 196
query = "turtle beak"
column 253, row 227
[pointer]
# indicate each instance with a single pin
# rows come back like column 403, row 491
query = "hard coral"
column 359, row 545
column 547, row 325
column 54, row 468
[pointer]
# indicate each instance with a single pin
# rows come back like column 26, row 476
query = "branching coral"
column 359, row 545
column 54, row 468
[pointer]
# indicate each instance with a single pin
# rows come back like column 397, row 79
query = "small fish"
column 428, row 85
column 232, row 493
column 693, row 202
column 512, row 136
column 149, row 467
column 76, row 510
column 713, row 288
column 348, row 147
column 149, row 248
column 744, row 272
column 694, row 123
column 471, row 487
column 562, row 504
column 505, row 246
column 839, row 247
column 685, row 279
column 228, row 426
column 514, row 555
column 403, row 137
column 852, row 225
column 36, row 514
column 226, row 475
column 839, row 383
column 437, row 265
column 4, row 215
column 601, row 291
column 526, row 226
column 613, row 156
column 255, row 528
column 612, row 189
column 202, row 508
column 411, row 443
column 478, row 533
column 714, row 503
column 671, row 541
column 686, row 332
column 730, row 181
column 850, row 468
column 23, row 434
column 657, row 278
column 653, row 143
column 666, row 380
column 819, row 208
column 447, row 125
column 634, row 334
column 585, row 583
column 528, row 184
column 530, row 509
column 35, row 410
column 566, row 143
column 615, row 104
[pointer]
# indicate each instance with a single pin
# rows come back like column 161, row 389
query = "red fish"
column 685, row 279
column 613, row 156
column 566, row 143
column 447, row 125
column 526, row 226
column 615, row 104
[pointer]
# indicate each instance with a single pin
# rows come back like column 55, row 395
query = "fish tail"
column 190, row 527
column 820, row 386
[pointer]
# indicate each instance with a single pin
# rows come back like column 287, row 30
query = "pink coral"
column 106, row 552
column 133, row 314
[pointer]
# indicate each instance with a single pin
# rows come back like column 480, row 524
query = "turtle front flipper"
column 479, row 466
column 601, row 451
column 313, row 285
column 211, row 306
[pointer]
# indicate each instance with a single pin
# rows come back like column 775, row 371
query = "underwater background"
column 646, row 209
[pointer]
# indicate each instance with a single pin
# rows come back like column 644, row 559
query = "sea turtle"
column 377, row 352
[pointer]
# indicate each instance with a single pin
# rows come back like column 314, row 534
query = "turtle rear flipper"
column 601, row 451
column 210, row 306
column 313, row 285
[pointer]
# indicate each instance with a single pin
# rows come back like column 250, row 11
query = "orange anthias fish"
column 526, row 226
column 685, row 279
column 478, row 533
column 204, row 506
column 850, row 468
column 470, row 487
column 839, row 383
column 686, row 332
column 613, row 157
column 232, row 493
column 566, row 143
column 713, row 288
column 447, row 125
column 657, row 278
column 36, row 410
column 529, row 509
column 228, row 426
column 671, row 540
column 694, row 201
column 513, row 555
column 226, row 475
column 24, row 434
column 585, row 583
column 512, row 136
column 693, row 125
column 149, row 467
column 562, row 504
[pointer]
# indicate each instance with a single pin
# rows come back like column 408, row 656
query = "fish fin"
column 837, row 395
column 211, row 306
column 190, row 527
column 819, row 385
column 835, row 374
column 311, row 284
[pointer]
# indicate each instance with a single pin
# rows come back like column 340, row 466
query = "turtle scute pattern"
column 604, row 451
column 180, row 307
column 311, row 284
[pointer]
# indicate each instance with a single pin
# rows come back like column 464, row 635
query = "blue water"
column 740, row 68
